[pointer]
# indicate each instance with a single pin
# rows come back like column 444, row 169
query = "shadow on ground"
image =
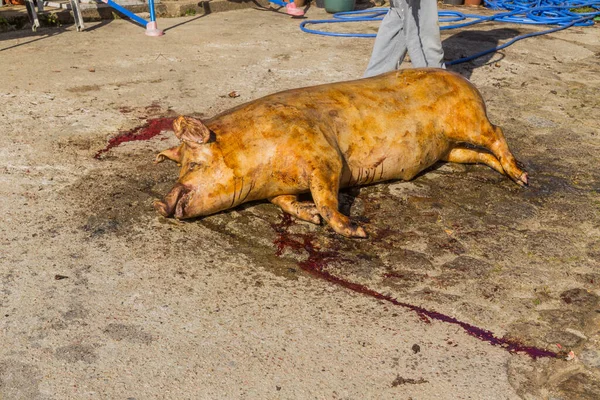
column 467, row 43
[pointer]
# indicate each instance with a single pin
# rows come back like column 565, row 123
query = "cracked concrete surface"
column 102, row 298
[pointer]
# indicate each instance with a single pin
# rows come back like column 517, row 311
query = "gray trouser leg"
column 423, row 33
column 390, row 44
column 410, row 25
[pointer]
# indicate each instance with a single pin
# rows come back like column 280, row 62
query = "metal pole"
column 33, row 17
column 77, row 15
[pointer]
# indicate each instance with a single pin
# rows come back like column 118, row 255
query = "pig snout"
column 182, row 205
column 174, row 202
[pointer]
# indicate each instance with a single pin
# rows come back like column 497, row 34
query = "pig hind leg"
column 471, row 156
column 492, row 138
column 324, row 188
column 304, row 210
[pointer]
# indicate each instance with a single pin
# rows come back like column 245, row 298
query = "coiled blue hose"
column 531, row 12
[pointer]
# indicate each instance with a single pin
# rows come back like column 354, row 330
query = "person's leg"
column 390, row 44
column 423, row 33
column 430, row 34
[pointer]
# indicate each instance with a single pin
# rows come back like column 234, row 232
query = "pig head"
column 204, row 185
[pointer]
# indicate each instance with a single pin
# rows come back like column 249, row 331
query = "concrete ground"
column 101, row 298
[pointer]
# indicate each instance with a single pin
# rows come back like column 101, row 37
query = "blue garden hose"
column 531, row 12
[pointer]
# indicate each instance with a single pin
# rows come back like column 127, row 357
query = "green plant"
column 50, row 19
column 581, row 10
column 190, row 12
column 4, row 23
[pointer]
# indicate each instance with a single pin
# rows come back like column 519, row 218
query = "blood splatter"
column 150, row 129
column 318, row 260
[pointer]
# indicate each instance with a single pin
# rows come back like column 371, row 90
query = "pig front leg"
column 324, row 188
column 305, row 211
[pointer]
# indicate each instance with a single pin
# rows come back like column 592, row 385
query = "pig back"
column 386, row 127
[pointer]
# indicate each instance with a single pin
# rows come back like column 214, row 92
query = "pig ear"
column 172, row 154
column 190, row 129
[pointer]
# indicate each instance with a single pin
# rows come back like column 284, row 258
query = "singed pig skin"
column 321, row 138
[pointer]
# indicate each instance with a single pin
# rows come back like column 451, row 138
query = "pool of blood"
column 318, row 260
column 150, row 129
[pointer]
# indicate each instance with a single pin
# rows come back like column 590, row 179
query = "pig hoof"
column 523, row 179
column 308, row 212
column 161, row 208
column 355, row 232
column 312, row 215
column 360, row 232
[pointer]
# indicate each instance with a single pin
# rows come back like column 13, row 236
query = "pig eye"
column 192, row 165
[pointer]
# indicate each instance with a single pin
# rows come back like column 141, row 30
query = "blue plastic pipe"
column 532, row 12
column 558, row 12
column 128, row 13
column 152, row 13
column 280, row 2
